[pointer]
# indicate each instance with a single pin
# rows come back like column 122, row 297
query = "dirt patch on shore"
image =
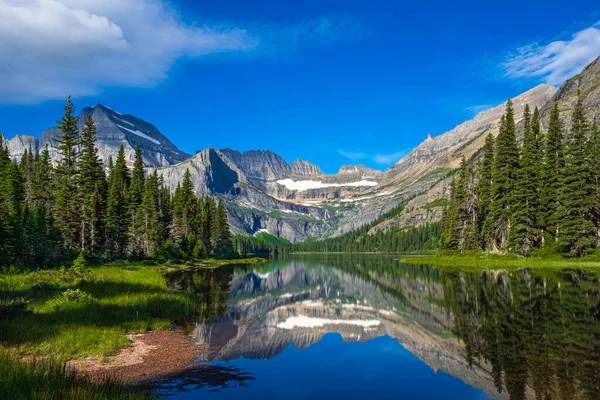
column 150, row 355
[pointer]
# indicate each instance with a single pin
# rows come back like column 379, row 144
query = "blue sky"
column 334, row 82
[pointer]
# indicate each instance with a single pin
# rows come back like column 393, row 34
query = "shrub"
column 12, row 307
column 44, row 286
column 70, row 298
column 80, row 263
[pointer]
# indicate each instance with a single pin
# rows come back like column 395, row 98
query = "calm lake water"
column 370, row 327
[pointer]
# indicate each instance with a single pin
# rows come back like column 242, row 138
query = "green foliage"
column 71, row 298
column 547, row 201
column 504, row 176
column 12, row 307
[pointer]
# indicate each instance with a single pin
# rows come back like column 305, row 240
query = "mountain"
column 261, row 191
column 441, row 155
column 114, row 129
column 297, row 201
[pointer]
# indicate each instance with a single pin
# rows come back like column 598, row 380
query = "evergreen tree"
column 65, row 206
column 594, row 160
column 135, row 195
column 148, row 216
column 506, row 164
column 92, row 190
column 484, row 192
column 12, row 207
column 223, row 245
column 576, row 226
column 552, row 175
column 450, row 237
column 208, row 216
column 117, row 215
column 524, row 233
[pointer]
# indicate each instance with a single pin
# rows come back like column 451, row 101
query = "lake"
column 370, row 327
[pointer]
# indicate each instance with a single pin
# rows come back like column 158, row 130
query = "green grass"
column 79, row 314
column 49, row 379
column 504, row 261
column 435, row 175
column 267, row 237
column 436, row 203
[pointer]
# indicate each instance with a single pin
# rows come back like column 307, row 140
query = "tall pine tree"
column 576, row 222
column 65, row 207
column 553, row 167
column 92, row 190
column 524, row 232
column 506, row 165
column 117, row 212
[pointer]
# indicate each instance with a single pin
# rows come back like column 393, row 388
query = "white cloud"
column 557, row 61
column 52, row 48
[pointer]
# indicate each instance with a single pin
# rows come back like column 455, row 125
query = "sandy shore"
column 151, row 355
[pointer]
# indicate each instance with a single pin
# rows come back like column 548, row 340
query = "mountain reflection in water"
column 509, row 334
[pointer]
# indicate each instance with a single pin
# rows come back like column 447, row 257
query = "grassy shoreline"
column 73, row 313
column 502, row 261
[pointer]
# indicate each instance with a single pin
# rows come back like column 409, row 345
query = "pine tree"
column 506, row 165
column 524, row 233
column 223, row 245
column 66, row 174
column 576, row 226
column 594, row 159
column 117, row 213
column 148, row 216
column 12, row 208
column 450, row 237
column 135, row 195
column 27, row 166
column 552, row 175
column 484, row 192
column 92, row 188
column 208, row 216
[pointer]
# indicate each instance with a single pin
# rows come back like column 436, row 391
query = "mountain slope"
column 419, row 210
column 114, row 129
column 421, row 174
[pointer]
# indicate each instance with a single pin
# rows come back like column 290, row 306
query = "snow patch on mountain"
column 140, row 134
column 302, row 321
column 305, row 185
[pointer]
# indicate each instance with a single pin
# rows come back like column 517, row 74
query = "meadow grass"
column 505, row 261
column 72, row 314
column 49, row 379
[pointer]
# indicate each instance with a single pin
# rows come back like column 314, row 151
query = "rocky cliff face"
column 113, row 130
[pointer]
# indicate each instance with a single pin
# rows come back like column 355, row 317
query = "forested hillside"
column 49, row 215
column 420, row 239
column 540, row 196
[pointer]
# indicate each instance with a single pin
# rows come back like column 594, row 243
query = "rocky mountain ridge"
column 264, row 192
column 113, row 130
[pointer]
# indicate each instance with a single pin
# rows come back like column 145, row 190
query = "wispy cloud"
column 381, row 158
column 320, row 31
column 556, row 61
column 52, row 48
column 474, row 110
column 354, row 156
